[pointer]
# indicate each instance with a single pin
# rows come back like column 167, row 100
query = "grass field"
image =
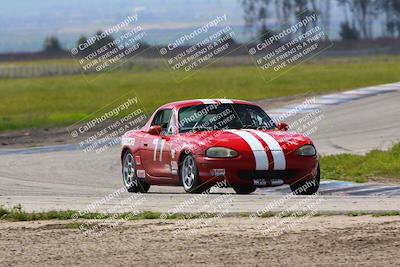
column 61, row 101
column 373, row 166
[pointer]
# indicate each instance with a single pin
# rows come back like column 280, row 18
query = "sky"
column 24, row 24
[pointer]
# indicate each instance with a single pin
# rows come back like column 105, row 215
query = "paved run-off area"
column 60, row 178
column 65, row 178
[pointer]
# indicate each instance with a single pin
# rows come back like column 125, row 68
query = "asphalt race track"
column 62, row 177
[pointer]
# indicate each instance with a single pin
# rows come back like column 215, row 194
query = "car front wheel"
column 189, row 175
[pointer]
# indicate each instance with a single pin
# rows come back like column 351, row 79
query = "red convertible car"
column 199, row 143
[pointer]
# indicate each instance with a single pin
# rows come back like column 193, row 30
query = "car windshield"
column 223, row 116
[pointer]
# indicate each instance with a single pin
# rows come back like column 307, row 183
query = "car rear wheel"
column 190, row 175
column 244, row 189
column 130, row 180
column 306, row 187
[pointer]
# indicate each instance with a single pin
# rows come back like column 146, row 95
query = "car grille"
column 249, row 175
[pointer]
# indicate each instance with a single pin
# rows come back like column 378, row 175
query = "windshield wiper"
column 250, row 126
column 202, row 128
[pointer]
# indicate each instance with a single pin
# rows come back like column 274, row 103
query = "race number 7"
column 158, row 143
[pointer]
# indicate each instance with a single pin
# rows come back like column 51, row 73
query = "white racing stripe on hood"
column 276, row 150
column 260, row 155
column 224, row 101
column 207, row 101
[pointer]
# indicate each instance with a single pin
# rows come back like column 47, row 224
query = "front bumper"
column 241, row 170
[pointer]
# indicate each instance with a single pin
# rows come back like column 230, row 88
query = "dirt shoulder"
column 39, row 137
column 34, row 137
column 333, row 240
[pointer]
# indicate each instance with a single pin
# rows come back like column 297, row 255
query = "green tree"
column 391, row 10
column 256, row 13
column 81, row 40
column 52, row 44
column 347, row 32
column 363, row 13
column 101, row 41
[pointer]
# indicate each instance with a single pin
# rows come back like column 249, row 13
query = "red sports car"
column 199, row 143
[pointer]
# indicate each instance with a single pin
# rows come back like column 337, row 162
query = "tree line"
column 361, row 17
column 52, row 44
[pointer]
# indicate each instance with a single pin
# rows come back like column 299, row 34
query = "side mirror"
column 282, row 126
column 155, row 130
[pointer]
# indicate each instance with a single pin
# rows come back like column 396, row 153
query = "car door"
column 156, row 152
column 168, row 154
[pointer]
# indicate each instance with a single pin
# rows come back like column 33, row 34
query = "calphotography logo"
column 220, row 115
column 289, row 45
column 292, row 217
column 304, row 117
column 108, row 49
column 288, row 213
column 212, row 205
column 106, row 126
column 108, row 213
column 199, row 48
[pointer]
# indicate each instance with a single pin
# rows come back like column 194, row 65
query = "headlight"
column 221, row 152
column 306, row 150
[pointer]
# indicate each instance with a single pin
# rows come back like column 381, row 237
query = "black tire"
column 311, row 190
column 244, row 189
column 189, row 175
column 129, row 178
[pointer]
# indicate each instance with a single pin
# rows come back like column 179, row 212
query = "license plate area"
column 260, row 182
column 269, row 182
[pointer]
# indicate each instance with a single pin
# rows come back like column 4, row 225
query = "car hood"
column 246, row 139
